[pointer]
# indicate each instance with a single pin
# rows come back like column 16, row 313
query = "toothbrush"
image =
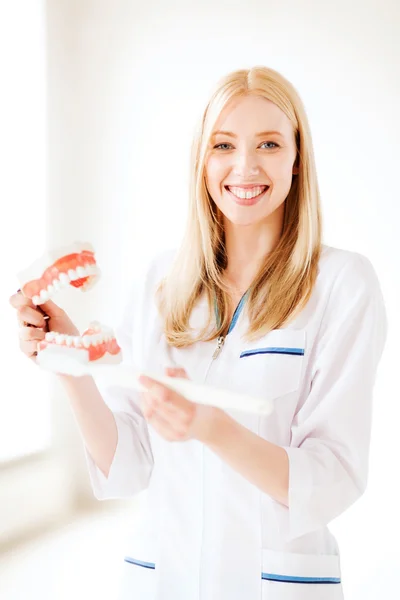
column 58, row 361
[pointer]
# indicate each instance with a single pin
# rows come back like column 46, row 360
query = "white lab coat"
column 206, row 533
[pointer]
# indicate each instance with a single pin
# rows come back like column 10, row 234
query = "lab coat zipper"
column 217, row 351
column 221, row 339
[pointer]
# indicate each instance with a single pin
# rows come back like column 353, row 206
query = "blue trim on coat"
column 291, row 579
column 273, row 350
column 236, row 314
column 266, row 576
column 139, row 563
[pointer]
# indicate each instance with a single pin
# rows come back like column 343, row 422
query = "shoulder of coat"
column 350, row 266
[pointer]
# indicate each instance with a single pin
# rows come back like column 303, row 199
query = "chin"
column 245, row 220
column 247, row 216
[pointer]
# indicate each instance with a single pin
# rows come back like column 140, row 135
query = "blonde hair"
column 286, row 279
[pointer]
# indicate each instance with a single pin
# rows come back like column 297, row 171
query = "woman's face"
column 249, row 165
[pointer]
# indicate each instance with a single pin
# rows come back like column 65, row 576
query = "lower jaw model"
column 74, row 265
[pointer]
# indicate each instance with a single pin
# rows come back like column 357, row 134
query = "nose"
column 246, row 165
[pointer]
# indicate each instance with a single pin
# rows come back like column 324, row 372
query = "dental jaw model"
column 96, row 345
column 96, row 351
column 71, row 265
column 74, row 265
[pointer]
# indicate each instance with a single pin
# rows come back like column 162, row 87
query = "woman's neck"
column 247, row 247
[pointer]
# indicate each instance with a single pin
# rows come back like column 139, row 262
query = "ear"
column 295, row 170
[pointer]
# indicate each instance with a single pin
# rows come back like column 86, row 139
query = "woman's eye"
column 219, row 145
column 276, row 145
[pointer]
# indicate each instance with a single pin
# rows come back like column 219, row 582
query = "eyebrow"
column 261, row 134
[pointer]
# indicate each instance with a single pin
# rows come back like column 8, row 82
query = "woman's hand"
column 33, row 325
column 174, row 417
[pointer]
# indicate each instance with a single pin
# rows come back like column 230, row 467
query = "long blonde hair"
column 286, row 279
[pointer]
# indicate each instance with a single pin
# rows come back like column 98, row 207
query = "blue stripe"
column 267, row 576
column 236, row 314
column 297, row 351
column 139, row 563
column 290, row 579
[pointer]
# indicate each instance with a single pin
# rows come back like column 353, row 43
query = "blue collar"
column 236, row 314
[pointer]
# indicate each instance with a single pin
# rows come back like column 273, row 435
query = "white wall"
column 127, row 81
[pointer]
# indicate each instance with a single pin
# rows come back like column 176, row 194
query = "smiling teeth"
column 241, row 193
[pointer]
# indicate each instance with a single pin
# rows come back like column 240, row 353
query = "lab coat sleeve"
column 329, row 448
column 132, row 463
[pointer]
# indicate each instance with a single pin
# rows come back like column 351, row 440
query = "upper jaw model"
column 71, row 265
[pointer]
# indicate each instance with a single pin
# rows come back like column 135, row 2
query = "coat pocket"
column 137, row 580
column 276, row 361
column 290, row 576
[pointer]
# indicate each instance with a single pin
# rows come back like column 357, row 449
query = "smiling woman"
column 253, row 302
column 254, row 200
column 239, row 503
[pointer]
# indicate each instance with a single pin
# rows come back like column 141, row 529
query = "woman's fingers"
column 29, row 348
column 176, row 372
column 29, row 337
column 170, row 426
column 27, row 334
column 20, row 303
column 30, row 316
column 153, row 404
column 17, row 300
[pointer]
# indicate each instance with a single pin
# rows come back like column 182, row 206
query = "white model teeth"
column 73, row 275
column 36, row 269
column 81, row 271
column 91, row 271
column 76, row 341
column 44, row 296
column 86, row 341
column 247, row 194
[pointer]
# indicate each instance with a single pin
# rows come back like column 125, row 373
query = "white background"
column 99, row 105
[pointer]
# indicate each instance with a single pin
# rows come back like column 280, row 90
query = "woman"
column 238, row 505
